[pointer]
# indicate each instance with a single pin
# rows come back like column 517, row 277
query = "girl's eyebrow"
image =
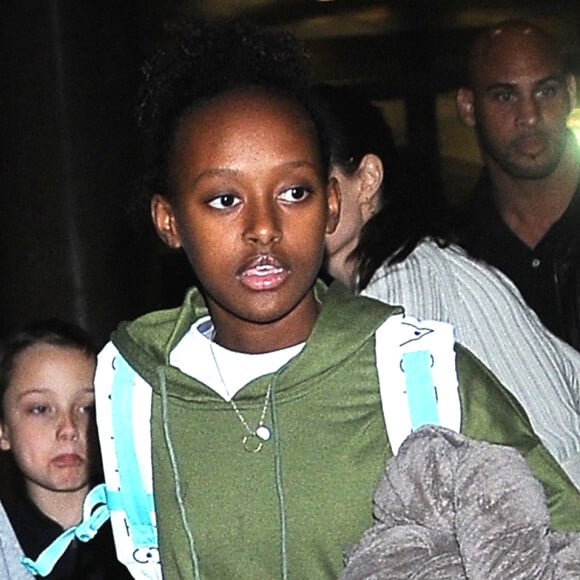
column 232, row 172
column 41, row 391
column 301, row 163
column 33, row 391
column 214, row 172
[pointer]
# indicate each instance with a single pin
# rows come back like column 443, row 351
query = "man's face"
column 520, row 100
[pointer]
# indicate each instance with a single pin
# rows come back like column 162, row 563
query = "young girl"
column 46, row 421
column 382, row 248
column 256, row 405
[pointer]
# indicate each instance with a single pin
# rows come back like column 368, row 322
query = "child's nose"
column 263, row 225
column 68, row 428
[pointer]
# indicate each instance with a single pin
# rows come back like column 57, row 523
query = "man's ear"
column 370, row 173
column 4, row 439
column 164, row 221
column 571, row 89
column 333, row 201
column 465, row 106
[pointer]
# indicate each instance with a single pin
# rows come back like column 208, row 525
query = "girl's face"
column 250, row 206
column 48, row 418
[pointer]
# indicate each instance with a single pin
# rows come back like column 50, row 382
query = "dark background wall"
column 70, row 159
column 70, row 156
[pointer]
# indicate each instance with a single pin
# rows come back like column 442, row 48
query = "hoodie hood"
column 344, row 325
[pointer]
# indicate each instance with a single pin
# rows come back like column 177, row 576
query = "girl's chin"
column 71, row 483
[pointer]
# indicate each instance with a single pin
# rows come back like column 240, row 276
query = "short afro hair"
column 202, row 60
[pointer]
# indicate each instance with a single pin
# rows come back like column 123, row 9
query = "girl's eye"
column 39, row 409
column 88, row 409
column 295, row 194
column 224, row 201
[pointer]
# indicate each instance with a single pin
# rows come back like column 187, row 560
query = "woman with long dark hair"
column 392, row 244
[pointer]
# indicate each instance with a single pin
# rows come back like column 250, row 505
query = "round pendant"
column 252, row 443
column 263, row 433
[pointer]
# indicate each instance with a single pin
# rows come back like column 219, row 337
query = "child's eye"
column 224, row 201
column 295, row 194
column 38, row 409
column 88, row 409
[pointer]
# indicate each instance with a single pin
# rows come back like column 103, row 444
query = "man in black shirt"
column 524, row 215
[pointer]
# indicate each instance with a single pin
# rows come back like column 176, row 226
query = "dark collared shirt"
column 93, row 560
column 538, row 273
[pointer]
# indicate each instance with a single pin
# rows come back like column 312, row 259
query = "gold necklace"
column 254, row 439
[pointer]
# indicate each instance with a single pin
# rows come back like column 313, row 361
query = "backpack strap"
column 123, row 401
column 95, row 514
column 417, row 376
column 418, row 385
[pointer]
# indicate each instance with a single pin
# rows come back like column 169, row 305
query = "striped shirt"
column 492, row 320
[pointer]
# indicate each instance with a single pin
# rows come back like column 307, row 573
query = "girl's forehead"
column 45, row 363
column 253, row 102
column 229, row 127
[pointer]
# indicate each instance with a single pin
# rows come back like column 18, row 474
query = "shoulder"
column 453, row 263
column 422, row 282
column 427, row 257
column 153, row 335
column 341, row 306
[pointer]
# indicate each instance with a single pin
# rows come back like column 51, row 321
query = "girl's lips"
column 68, row 460
column 263, row 273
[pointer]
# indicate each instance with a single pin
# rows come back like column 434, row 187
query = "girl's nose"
column 262, row 225
column 68, row 428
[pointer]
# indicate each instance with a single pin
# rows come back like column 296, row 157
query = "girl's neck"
column 260, row 337
column 63, row 507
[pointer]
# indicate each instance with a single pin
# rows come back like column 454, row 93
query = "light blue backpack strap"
column 123, row 404
column 421, row 392
column 95, row 514
column 417, row 376
column 132, row 498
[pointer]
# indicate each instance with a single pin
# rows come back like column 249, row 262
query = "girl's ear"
column 370, row 173
column 465, row 106
column 164, row 221
column 333, row 201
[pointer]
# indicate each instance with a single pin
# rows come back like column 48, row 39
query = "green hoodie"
column 294, row 508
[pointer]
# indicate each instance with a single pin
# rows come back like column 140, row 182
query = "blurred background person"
column 391, row 244
column 523, row 216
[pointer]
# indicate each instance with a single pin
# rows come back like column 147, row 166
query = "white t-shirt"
column 224, row 371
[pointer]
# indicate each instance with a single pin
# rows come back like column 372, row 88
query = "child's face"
column 48, row 418
column 251, row 206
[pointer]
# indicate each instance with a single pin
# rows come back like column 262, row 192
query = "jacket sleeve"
column 491, row 413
